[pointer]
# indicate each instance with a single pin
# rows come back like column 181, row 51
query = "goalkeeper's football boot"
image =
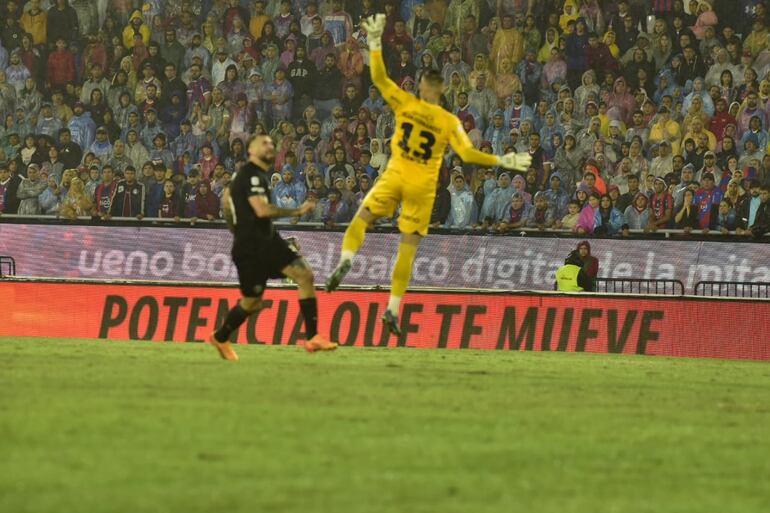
column 391, row 321
column 225, row 349
column 338, row 275
column 318, row 343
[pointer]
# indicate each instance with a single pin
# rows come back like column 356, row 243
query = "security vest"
column 567, row 278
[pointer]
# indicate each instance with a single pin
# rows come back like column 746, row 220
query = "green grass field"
column 97, row 426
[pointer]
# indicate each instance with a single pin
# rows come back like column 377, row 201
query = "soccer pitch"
column 104, row 426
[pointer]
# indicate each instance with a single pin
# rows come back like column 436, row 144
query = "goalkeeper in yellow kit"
column 423, row 131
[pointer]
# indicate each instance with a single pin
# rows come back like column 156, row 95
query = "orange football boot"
column 318, row 343
column 225, row 349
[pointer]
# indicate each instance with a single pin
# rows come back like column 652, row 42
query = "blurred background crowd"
column 639, row 114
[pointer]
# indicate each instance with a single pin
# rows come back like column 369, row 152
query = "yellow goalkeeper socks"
column 402, row 273
column 354, row 238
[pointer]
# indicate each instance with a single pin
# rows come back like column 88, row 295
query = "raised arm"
column 394, row 95
column 462, row 144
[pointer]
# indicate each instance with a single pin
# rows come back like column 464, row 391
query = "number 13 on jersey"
column 421, row 148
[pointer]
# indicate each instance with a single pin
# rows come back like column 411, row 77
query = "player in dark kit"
column 260, row 253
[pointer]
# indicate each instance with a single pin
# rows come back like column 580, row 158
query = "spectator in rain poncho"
column 588, row 90
column 29, row 190
column 17, row 73
column 699, row 89
column 47, row 123
column 587, row 220
column 620, row 103
column 82, row 127
column 540, row 215
column 497, row 202
column 289, row 193
column 637, row 215
column 556, row 196
column 101, row 147
column 520, row 186
column 516, row 214
column 722, row 64
column 551, row 41
column 334, row 209
column 136, row 27
column 497, row 133
column 462, row 209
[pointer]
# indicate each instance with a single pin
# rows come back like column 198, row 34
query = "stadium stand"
column 641, row 116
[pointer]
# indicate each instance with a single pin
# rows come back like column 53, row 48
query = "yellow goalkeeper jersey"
column 422, row 133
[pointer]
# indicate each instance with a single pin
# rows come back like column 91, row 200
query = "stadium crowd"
column 639, row 114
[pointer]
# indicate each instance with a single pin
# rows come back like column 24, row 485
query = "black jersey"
column 251, row 233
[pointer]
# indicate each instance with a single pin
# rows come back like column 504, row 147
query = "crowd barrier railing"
column 640, row 286
column 7, row 266
column 753, row 290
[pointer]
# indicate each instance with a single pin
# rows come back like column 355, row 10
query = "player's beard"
column 269, row 158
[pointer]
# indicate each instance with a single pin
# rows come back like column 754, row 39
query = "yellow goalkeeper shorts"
column 416, row 202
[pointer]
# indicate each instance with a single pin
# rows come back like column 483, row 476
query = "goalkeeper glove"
column 374, row 27
column 516, row 161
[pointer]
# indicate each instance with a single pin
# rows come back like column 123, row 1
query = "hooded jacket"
column 637, row 219
column 569, row 13
column 621, row 102
column 28, row 194
column 36, row 25
column 496, row 203
column 587, row 218
column 129, row 32
column 519, row 184
column 537, row 217
column 83, row 130
column 544, row 54
column 379, row 157
column 714, row 74
column 584, row 91
column 590, row 262
column 462, row 211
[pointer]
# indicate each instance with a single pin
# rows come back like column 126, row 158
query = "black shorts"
column 256, row 267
